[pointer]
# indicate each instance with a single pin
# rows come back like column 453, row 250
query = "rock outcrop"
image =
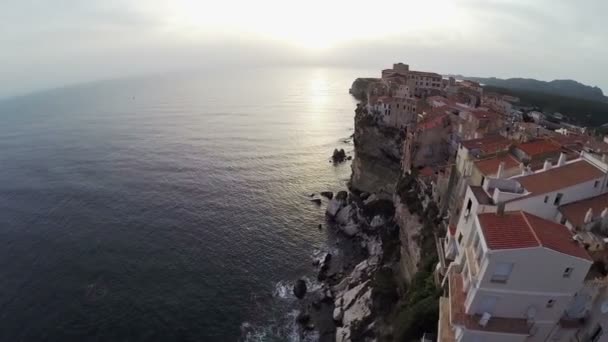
column 378, row 150
column 299, row 289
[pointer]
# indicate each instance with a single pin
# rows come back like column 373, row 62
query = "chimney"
column 562, row 159
column 501, row 170
column 589, row 216
column 500, row 209
column 547, row 165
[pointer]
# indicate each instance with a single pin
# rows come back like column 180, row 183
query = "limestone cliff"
column 378, row 149
column 360, row 87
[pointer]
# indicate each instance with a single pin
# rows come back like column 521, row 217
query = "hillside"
column 581, row 111
column 567, row 88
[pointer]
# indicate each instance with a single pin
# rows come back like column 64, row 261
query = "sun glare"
column 314, row 25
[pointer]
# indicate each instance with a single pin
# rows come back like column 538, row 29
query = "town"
column 522, row 200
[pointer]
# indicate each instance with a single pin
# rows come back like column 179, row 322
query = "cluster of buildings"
column 525, row 253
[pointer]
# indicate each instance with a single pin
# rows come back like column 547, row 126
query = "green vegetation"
column 580, row 111
column 417, row 311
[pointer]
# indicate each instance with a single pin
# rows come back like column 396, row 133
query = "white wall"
column 535, row 204
column 536, row 269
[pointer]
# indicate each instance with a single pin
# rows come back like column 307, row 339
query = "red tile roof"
column 560, row 177
column 575, row 212
column 537, row 147
column 490, row 166
column 518, row 229
column 488, row 144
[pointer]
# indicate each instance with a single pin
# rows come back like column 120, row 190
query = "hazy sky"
column 47, row 44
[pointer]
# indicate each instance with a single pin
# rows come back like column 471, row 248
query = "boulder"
column 327, row 194
column 299, row 289
column 316, row 201
column 338, row 314
column 338, row 156
column 345, row 214
column 333, row 207
column 370, row 199
column 350, row 229
column 377, row 222
column 342, row 195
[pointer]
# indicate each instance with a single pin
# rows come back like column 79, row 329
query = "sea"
column 170, row 207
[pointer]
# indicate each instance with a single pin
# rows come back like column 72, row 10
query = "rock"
column 344, row 215
column 327, row 194
column 312, row 195
column 327, row 295
column 316, row 201
column 377, row 221
column 334, row 206
column 299, row 289
column 350, row 229
column 338, row 314
column 370, row 199
column 338, row 156
column 303, row 318
column 342, row 195
column 324, row 267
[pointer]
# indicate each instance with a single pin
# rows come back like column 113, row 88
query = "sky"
column 47, row 44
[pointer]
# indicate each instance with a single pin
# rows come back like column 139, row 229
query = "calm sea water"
column 167, row 208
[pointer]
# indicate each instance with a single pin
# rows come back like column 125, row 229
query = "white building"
column 516, row 281
column 532, row 240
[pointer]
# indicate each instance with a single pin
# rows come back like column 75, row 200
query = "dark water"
column 168, row 208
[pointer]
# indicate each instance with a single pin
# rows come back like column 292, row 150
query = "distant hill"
column 583, row 111
column 567, row 88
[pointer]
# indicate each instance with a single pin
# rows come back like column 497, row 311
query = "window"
column 563, row 220
column 567, row 272
column 558, row 199
column 546, row 199
column 469, row 204
column 596, row 184
column 502, row 271
column 459, row 238
column 550, row 303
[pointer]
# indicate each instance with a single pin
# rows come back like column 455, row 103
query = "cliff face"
column 409, row 236
column 376, row 166
column 360, row 86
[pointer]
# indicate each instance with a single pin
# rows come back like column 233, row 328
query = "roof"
column 575, row 212
column 538, row 147
column 518, row 229
column 488, row 144
column 490, row 166
column 559, row 177
column 481, row 196
column 432, row 122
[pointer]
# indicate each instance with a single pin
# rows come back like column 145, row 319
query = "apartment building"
column 517, row 280
column 529, row 257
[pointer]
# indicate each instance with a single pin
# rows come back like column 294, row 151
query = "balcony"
column 458, row 315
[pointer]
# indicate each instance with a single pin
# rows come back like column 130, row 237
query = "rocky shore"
column 346, row 306
column 380, row 284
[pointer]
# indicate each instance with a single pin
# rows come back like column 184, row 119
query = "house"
column 515, row 281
